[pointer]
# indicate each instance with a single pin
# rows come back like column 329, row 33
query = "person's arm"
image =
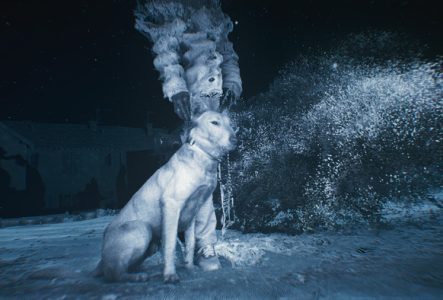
column 167, row 62
column 230, row 68
column 166, row 48
column 232, row 84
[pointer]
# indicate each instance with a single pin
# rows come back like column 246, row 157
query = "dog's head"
column 213, row 133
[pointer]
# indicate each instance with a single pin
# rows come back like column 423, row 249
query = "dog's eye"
column 215, row 123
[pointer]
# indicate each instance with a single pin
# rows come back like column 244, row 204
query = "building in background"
column 46, row 167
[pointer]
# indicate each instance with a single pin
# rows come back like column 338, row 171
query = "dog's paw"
column 171, row 278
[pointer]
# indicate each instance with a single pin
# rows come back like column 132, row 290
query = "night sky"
column 74, row 61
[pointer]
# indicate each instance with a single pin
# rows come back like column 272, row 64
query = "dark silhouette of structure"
column 57, row 167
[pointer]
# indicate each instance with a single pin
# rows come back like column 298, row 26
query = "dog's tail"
column 60, row 272
column 55, row 272
column 125, row 277
column 135, row 277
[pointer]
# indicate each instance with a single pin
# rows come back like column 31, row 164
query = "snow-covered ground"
column 53, row 261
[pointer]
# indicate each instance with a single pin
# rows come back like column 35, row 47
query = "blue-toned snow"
column 405, row 261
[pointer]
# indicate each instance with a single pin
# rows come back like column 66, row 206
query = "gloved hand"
column 228, row 99
column 182, row 105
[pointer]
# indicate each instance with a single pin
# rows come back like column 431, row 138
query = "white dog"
column 167, row 204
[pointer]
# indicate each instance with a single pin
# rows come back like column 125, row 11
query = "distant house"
column 54, row 167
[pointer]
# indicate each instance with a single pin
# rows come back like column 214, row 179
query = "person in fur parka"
column 199, row 71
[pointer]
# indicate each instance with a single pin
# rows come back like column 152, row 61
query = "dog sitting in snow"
column 167, row 204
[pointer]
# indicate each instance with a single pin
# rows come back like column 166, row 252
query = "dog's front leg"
column 171, row 214
column 190, row 245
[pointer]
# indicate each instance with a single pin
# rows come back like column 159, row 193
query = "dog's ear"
column 225, row 112
column 197, row 109
column 191, row 135
column 193, row 123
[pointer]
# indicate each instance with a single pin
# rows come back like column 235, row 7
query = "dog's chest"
column 193, row 204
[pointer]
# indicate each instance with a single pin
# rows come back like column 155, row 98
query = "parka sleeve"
column 230, row 67
column 166, row 48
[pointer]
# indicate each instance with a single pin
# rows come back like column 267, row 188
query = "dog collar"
column 193, row 144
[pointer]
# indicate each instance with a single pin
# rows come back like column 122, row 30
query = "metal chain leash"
column 226, row 198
